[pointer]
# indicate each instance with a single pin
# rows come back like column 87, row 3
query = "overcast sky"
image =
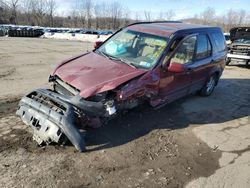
column 182, row 8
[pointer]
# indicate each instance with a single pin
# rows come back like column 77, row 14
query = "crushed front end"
column 61, row 114
column 87, row 90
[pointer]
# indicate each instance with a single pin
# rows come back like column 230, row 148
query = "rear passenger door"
column 202, row 63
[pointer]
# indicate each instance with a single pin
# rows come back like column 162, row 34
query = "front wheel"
column 209, row 86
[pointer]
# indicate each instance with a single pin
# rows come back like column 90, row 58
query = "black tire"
column 228, row 60
column 209, row 86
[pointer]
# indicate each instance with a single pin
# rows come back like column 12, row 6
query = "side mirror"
column 97, row 44
column 175, row 67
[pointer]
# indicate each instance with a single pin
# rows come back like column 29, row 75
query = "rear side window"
column 203, row 47
column 219, row 41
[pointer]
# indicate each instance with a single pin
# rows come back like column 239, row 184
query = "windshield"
column 140, row 50
column 242, row 41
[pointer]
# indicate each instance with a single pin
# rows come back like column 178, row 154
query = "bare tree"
column 116, row 13
column 170, row 14
column 137, row 17
column 51, row 8
column 9, row 11
column 242, row 16
column 147, row 15
column 167, row 15
column 26, row 10
column 98, row 10
column 82, row 12
column 126, row 16
column 13, row 4
column 208, row 15
column 104, row 15
column 232, row 19
column 75, row 14
column 38, row 11
column 74, row 17
column 88, row 9
column 3, row 11
column 247, row 19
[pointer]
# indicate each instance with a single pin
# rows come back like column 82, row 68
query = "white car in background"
column 239, row 49
column 227, row 37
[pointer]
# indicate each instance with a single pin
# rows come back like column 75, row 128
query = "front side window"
column 185, row 52
column 134, row 48
column 204, row 48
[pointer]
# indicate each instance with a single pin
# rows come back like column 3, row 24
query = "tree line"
column 231, row 18
column 28, row 12
column 104, row 15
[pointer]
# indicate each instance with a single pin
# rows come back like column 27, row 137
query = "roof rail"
column 154, row 22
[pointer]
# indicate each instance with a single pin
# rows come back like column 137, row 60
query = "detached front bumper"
column 53, row 116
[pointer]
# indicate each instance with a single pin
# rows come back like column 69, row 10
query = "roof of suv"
column 165, row 28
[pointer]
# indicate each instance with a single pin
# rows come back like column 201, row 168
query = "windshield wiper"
column 137, row 66
column 102, row 53
column 124, row 61
column 116, row 58
column 132, row 65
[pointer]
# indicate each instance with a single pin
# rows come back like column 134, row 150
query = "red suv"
column 153, row 62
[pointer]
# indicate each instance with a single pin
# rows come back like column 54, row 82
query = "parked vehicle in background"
column 239, row 50
column 3, row 31
column 147, row 62
column 227, row 37
column 25, row 32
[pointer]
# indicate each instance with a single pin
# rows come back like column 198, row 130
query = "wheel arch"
column 217, row 72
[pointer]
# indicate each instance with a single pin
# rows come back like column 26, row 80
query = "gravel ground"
column 193, row 142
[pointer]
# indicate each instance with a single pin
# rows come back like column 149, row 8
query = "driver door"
column 176, row 84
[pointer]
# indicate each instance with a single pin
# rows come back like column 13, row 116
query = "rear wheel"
column 209, row 86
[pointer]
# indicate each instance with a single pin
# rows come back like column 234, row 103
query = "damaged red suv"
column 146, row 62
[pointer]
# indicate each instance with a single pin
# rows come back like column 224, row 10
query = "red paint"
column 93, row 74
column 162, row 29
column 153, row 31
column 97, row 44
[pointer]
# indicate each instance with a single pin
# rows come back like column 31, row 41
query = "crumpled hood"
column 93, row 73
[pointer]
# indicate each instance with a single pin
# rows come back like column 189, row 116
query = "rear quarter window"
column 219, row 41
column 203, row 47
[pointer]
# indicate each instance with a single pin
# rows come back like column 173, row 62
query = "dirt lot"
column 190, row 142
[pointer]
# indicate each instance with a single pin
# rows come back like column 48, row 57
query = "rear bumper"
column 51, row 115
column 236, row 56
